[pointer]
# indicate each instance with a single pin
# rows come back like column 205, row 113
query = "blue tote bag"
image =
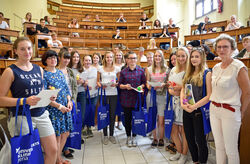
column 103, row 113
column 89, row 117
column 168, row 115
column 138, row 119
column 145, row 109
column 26, row 149
column 205, row 108
column 152, row 112
column 74, row 139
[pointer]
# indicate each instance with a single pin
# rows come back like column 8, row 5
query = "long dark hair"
column 79, row 66
column 156, row 24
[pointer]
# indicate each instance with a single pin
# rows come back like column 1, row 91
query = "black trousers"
column 112, row 101
column 128, row 120
column 193, row 128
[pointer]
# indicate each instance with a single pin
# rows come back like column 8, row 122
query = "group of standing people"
column 227, row 87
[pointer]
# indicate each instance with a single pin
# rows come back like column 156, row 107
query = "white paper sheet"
column 92, row 84
column 154, row 84
column 45, row 98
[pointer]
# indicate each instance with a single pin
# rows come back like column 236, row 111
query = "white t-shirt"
column 90, row 74
column 4, row 25
column 54, row 44
column 225, row 87
column 176, row 77
column 108, row 77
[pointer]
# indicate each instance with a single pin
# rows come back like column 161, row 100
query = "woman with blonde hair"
column 74, row 24
column 158, row 73
column 119, row 59
column 152, row 44
column 109, row 73
column 175, row 80
column 192, row 114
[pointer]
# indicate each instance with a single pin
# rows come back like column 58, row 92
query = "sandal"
column 66, row 162
column 154, row 143
column 68, row 155
column 161, row 143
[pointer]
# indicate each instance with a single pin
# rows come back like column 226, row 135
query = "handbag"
column 5, row 151
column 26, row 149
column 205, row 108
column 168, row 115
column 103, row 113
column 89, row 117
column 152, row 112
column 138, row 119
column 74, row 139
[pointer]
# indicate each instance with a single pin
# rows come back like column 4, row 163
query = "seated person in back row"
column 165, row 34
column 121, row 19
column 3, row 25
column 234, row 24
column 53, row 42
column 245, row 52
column 87, row 19
column 41, row 29
column 97, row 19
column 171, row 25
column 202, row 26
column 117, row 35
column 144, row 18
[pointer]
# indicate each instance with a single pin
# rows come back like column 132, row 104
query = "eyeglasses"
column 132, row 58
column 222, row 47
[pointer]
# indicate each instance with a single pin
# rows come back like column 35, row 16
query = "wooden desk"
column 107, row 11
column 94, row 4
column 201, row 37
column 8, row 46
column 103, row 17
column 33, row 25
column 211, row 25
column 41, row 37
column 113, row 25
column 126, row 34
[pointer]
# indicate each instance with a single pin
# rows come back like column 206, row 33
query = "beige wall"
column 142, row 2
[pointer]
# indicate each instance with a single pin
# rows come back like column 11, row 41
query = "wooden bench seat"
column 94, row 4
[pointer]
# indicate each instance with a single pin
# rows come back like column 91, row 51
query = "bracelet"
column 21, row 101
column 60, row 107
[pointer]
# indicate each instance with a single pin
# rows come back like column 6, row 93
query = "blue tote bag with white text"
column 26, row 149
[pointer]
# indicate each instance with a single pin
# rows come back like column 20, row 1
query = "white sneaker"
column 105, row 140
column 134, row 142
column 182, row 159
column 175, row 157
column 112, row 139
column 129, row 142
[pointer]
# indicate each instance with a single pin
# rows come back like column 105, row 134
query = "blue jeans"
column 164, row 46
column 81, row 98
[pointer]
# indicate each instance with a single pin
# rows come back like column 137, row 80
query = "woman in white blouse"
column 229, row 100
column 107, row 78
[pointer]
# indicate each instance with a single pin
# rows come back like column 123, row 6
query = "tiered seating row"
column 201, row 37
column 109, row 33
column 92, row 4
column 104, row 17
column 113, row 25
column 102, row 11
column 211, row 25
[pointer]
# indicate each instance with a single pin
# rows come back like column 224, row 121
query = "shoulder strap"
column 204, row 91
